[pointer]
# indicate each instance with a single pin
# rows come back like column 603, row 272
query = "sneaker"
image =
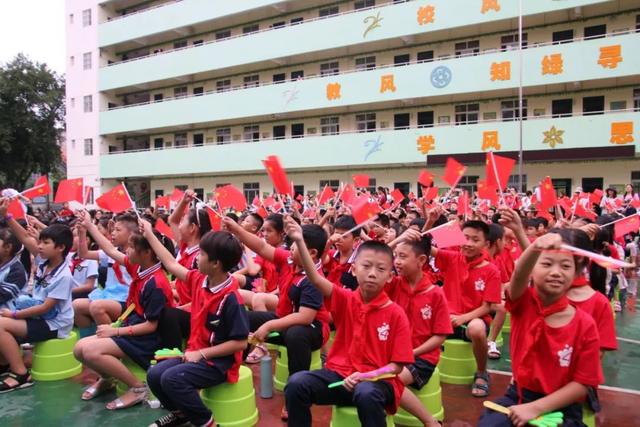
column 172, row 419
column 493, row 351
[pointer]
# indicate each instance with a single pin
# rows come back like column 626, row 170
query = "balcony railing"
column 136, row 12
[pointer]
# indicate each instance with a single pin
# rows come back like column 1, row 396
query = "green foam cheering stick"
column 166, row 353
column 372, row 379
column 123, row 316
column 551, row 419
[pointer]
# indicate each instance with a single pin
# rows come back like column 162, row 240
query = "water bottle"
column 266, row 378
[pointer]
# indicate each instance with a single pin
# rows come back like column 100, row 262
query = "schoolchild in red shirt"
column 495, row 250
column 337, row 262
column 554, row 346
column 426, row 308
column 471, row 285
column 219, row 331
column 372, row 336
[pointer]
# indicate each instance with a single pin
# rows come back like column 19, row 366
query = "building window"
column 223, row 136
column 279, row 78
column 254, row 28
column 197, row 91
column 251, row 190
column 425, row 119
column 328, row 11
column 468, row 183
column 88, row 147
column 635, row 180
column 426, row 56
column 180, row 44
column 510, row 110
column 514, row 182
column 252, row 80
column 467, row 113
column 279, row 24
column 86, row 17
column 361, row 4
column 297, row 130
column 595, row 31
column 86, row 61
column 221, row 35
column 365, row 63
column 295, row 75
column 330, row 125
column 329, row 68
column 223, row 85
column 564, row 36
column 198, row 139
column 279, row 132
column 372, row 186
column 296, row 21
column 562, row 107
column 366, row 122
column 180, row 92
column 158, row 143
column 251, row 133
column 180, row 139
column 158, row 97
column 401, row 121
column 197, row 43
column 470, row 47
column 88, row 103
column 511, row 42
column 402, row 59
column 334, row 184
column 636, row 99
column 617, row 105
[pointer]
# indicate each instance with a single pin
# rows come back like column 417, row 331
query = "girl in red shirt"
column 554, row 346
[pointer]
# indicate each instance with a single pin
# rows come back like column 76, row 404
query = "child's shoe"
column 21, row 381
column 172, row 419
column 493, row 351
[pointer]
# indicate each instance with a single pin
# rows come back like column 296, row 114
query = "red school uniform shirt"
column 368, row 336
column 599, row 308
column 268, row 273
column 558, row 355
column 140, row 281
column 498, row 261
column 188, row 258
column 467, row 288
column 340, row 273
column 298, row 292
column 217, row 315
column 427, row 310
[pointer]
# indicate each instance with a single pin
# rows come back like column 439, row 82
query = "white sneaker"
column 493, row 351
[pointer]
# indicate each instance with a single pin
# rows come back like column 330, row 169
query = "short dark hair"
column 478, row 225
column 257, row 218
column 222, row 246
column 383, row 219
column 314, row 237
column 346, row 222
column 9, row 238
column 420, row 222
column 60, row 234
column 377, row 247
column 420, row 247
column 530, row 223
column 276, row 221
column 496, row 231
column 543, row 221
column 130, row 221
column 140, row 243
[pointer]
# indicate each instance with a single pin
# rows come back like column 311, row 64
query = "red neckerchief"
column 580, row 281
column 75, row 262
column 358, row 342
column 118, row 272
column 137, row 286
column 535, row 331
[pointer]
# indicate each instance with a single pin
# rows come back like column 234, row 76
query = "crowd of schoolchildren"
column 389, row 293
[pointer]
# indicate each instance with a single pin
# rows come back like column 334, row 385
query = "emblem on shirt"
column 479, row 285
column 426, row 312
column 383, row 332
column 564, row 356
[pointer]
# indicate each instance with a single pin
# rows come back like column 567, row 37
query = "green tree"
column 31, row 121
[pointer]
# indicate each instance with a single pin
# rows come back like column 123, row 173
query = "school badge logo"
column 383, row 332
column 565, row 356
column 426, row 312
column 479, row 285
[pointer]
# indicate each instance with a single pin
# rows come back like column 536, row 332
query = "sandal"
column 483, row 388
column 21, row 381
column 100, row 387
column 141, row 395
column 493, row 352
column 259, row 351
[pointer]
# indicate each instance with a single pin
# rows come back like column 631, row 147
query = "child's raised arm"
column 102, row 242
column 511, row 220
column 252, row 241
column 294, row 231
column 528, row 259
column 167, row 259
column 29, row 242
column 174, row 218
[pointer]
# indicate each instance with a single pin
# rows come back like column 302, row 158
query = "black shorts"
column 460, row 333
column 123, row 306
column 37, row 331
column 421, row 372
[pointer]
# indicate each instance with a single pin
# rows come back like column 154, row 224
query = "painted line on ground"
column 603, row 387
column 628, row 340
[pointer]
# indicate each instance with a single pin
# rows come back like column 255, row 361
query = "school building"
column 195, row 93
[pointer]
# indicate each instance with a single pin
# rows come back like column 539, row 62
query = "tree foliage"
column 31, row 121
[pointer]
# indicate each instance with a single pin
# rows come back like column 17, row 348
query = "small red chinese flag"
column 548, row 198
column 326, row 195
column 453, row 171
column 430, row 193
column 448, row 235
column 348, row 194
column 116, row 200
column 230, row 197
column 425, row 178
column 262, row 212
column 543, row 213
column 363, row 210
column 463, row 204
column 628, row 225
column 70, row 189
column 397, row 196
column 277, row 175
column 581, row 211
column 361, row 181
column 176, row 195
column 487, row 192
column 214, row 219
column 268, row 202
column 40, row 188
column 163, row 202
column 164, row 229
column 16, row 209
column 503, row 167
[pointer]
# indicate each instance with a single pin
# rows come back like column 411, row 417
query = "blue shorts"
column 421, row 372
column 37, row 331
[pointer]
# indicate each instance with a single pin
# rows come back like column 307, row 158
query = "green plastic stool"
column 138, row 372
column 347, row 416
column 233, row 404
column 282, row 367
column 457, row 363
column 53, row 359
column 588, row 416
column 431, row 397
column 507, row 324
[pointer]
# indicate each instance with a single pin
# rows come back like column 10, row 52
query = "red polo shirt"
column 144, row 282
column 565, row 354
column 368, row 336
column 599, row 308
column 188, row 258
column 427, row 311
column 268, row 273
column 336, row 271
column 217, row 315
